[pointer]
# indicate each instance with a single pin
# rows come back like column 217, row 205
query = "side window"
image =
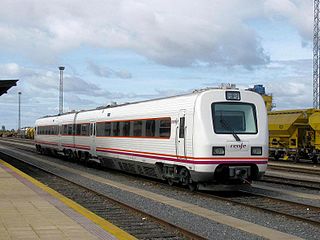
column 78, row 129
column 100, row 129
column 107, row 129
column 137, row 128
column 103, row 129
column 181, row 127
column 115, row 129
column 126, row 129
column 150, row 128
column 85, row 129
column 69, row 129
column 165, row 127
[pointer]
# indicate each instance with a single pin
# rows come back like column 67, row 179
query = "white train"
column 206, row 138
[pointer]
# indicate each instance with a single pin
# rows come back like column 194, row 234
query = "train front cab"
column 230, row 137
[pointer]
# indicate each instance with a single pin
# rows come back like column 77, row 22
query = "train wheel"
column 170, row 182
column 184, row 176
column 296, row 158
column 193, row 187
column 315, row 159
column 70, row 155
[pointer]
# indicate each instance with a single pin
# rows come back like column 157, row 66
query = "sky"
column 129, row 50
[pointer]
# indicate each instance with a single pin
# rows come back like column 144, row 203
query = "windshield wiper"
column 226, row 125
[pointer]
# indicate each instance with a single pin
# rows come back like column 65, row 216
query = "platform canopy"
column 5, row 85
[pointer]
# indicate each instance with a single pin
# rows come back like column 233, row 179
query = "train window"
column 150, row 128
column 103, row 129
column 115, row 129
column 85, row 129
column 65, row 129
column 137, row 128
column 107, row 129
column 165, row 127
column 78, row 129
column 100, row 129
column 125, row 128
column 230, row 118
column 70, row 129
column 181, row 127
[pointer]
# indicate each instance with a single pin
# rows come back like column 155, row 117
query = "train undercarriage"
column 226, row 177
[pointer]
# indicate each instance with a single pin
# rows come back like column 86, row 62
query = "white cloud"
column 106, row 72
column 299, row 13
column 175, row 33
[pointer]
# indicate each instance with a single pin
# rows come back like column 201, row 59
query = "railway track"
column 293, row 210
column 312, row 185
column 18, row 140
column 295, row 169
column 268, row 179
column 134, row 221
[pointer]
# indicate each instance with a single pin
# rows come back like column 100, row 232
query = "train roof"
column 114, row 105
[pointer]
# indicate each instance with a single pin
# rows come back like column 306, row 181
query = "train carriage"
column 212, row 136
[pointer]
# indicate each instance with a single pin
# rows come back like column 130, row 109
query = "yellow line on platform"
column 107, row 226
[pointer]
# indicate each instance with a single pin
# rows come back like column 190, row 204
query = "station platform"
column 31, row 210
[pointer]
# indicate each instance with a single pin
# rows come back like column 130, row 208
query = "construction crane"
column 316, row 63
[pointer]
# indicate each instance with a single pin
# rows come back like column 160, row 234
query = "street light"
column 61, row 68
column 19, row 113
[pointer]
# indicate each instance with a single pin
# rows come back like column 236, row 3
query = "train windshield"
column 233, row 118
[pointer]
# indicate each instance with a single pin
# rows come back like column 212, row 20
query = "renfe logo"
column 238, row 146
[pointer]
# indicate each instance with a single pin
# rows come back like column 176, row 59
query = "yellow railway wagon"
column 294, row 134
column 30, row 133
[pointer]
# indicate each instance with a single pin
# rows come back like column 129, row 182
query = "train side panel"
column 148, row 150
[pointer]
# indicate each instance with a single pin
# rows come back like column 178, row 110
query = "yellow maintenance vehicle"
column 29, row 133
column 295, row 134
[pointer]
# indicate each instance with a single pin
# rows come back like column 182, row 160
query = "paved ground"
column 28, row 212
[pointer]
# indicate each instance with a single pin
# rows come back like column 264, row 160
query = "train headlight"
column 233, row 95
column 256, row 151
column 218, row 151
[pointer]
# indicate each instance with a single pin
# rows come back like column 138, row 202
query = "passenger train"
column 211, row 137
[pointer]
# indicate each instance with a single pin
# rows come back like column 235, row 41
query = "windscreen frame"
column 254, row 113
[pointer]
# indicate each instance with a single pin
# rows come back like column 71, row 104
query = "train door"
column 93, row 138
column 181, row 132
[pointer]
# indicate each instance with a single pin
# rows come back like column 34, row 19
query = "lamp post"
column 61, row 68
column 19, row 113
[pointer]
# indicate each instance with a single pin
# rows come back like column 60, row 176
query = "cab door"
column 93, row 138
column 181, row 132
